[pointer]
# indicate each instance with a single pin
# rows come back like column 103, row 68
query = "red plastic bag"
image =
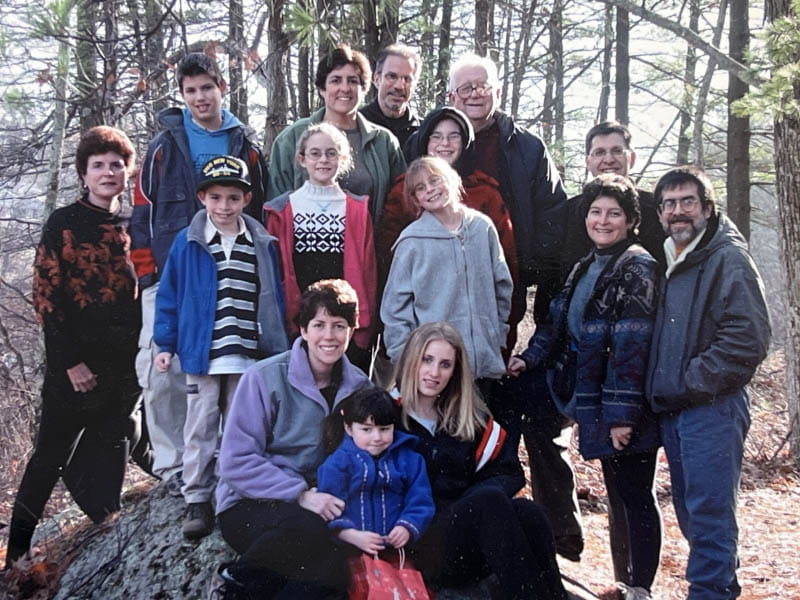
column 372, row 578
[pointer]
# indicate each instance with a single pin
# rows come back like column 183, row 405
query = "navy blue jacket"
column 379, row 492
column 611, row 354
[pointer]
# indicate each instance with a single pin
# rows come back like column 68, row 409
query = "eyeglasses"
column 316, row 154
column 465, row 91
column 616, row 152
column 438, row 138
column 687, row 204
column 392, row 77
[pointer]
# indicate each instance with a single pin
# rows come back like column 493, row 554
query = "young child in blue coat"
column 376, row 471
column 220, row 308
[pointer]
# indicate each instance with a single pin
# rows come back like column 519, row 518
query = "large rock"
column 142, row 555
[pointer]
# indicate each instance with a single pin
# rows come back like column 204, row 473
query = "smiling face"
column 321, row 159
column 203, row 98
column 682, row 214
column 606, row 222
column 343, row 91
column 327, row 338
column 436, row 368
column 478, row 107
column 224, row 204
column 371, row 437
column 430, row 192
column 395, row 84
column 609, row 154
column 105, row 178
column 446, row 141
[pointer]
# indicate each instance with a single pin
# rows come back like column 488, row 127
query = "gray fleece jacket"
column 459, row 277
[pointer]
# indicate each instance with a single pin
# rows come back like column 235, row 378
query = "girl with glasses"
column 325, row 232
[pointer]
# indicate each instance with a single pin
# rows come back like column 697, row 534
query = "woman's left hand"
column 325, row 505
column 621, row 436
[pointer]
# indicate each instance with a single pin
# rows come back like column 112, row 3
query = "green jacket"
column 380, row 151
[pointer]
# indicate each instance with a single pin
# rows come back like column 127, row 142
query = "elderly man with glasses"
column 532, row 192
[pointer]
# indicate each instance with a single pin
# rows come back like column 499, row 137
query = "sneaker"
column 199, row 520
column 633, row 593
column 174, row 485
column 570, row 547
column 224, row 587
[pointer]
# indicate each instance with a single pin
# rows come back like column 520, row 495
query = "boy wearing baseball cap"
column 220, row 308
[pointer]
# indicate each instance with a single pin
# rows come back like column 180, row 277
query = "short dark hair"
column 338, row 57
column 401, row 51
column 335, row 296
column 679, row 176
column 198, row 63
column 102, row 139
column 607, row 128
column 366, row 403
column 614, row 186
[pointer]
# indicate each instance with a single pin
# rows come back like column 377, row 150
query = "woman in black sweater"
column 479, row 527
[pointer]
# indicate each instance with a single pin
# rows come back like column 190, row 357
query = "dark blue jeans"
column 704, row 446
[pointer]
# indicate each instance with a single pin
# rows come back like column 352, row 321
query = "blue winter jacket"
column 186, row 301
column 610, row 357
column 379, row 492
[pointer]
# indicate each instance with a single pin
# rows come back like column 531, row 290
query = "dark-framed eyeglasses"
column 481, row 89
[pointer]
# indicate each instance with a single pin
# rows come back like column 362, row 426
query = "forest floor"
column 769, row 511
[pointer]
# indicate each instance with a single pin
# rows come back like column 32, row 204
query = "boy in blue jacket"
column 220, row 308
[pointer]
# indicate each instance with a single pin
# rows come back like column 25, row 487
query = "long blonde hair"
column 462, row 413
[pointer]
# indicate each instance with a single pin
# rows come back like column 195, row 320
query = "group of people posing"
column 350, row 312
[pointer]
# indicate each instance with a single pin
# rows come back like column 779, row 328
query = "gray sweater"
column 459, row 277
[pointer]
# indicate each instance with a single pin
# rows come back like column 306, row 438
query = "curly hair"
column 102, row 139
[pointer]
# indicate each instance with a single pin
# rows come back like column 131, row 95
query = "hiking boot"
column 570, row 547
column 633, row 593
column 224, row 587
column 174, row 485
column 199, row 520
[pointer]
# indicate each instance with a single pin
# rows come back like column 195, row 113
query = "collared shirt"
column 673, row 258
column 226, row 240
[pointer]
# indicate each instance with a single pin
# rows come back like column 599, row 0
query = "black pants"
column 283, row 543
column 91, row 428
column 634, row 519
column 485, row 532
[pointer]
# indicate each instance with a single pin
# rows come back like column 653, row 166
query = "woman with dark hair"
column 479, row 526
column 596, row 346
column 342, row 80
column 85, row 297
column 268, row 508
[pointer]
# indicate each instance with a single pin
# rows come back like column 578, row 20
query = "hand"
column 515, row 366
column 325, row 505
column 398, row 536
column 82, row 378
column 163, row 360
column 366, row 541
column 621, row 436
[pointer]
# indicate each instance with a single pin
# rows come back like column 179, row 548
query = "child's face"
column 445, row 141
column 225, row 204
column 370, row 437
column 431, row 192
column 321, row 159
column 203, row 98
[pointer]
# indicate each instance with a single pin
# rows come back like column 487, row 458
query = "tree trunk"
column 605, row 73
column 622, row 83
column 522, row 52
column 787, row 166
column 690, row 68
column 738, row 147
column 237, row 91
column 277, row 101
column 371, row 33
column 86, row 79
column 557, row 57
column 59, row 124
column 482, row 33
column 443, row 64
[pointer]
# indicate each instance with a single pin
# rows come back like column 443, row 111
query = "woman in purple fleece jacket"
column 268, row 509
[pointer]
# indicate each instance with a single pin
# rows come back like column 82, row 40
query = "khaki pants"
column 164, row 396
column 207, row 400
